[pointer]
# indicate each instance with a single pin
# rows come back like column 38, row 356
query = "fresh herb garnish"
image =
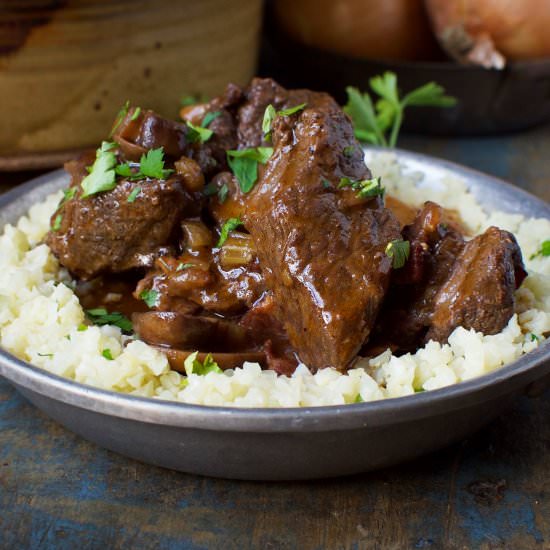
column 230, row 225
column 372, row 122
column 212, row 189
column 193, row 366
column 544, row 250
column 150, row 297
column 134, row 194
column 120, row 117
column 151, row 165
column 534, row 337
column 136, row 113
column 348, row 151
column 102, row 175
column 82, row 327
column 107, row 354
column 359, row 399
column 100, row 316
column 398, row 250
column 50, row 355
column 57, row 223
column 197, row 133
column 325, row 183
column 183, row 266
column 68, row 194
column 244, row 164
column 209, row 117
column 364, row 188
column 269, row 116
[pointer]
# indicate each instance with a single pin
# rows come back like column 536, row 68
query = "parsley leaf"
column 151, row 165
column 150, row 297
column 291, row 110
column 270, row 113
column 120, row 117
column 100, row 316
column 212, row 189
column 107, row 354
column 209, row 117
column 230, row 225
column 183, row 266
column 398, row 251
column 364, row 188
column 544, row 250
column 50, row 355
column 102, row 174
column 244, row 164
column 372, row 123
column 134, row 194
column 136, row 113
column 68, row 194
column 194, row 366
column 534, row 337
column 198, row 133
column 57, row 223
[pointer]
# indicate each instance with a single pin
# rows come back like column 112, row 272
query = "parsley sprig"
column 230, row 225
column 270, row 114
column 100, row 316
column 150, row 297
column 244, row 164
column 544, row 250
column 151, row 165
column 373, row 121
column 193, row 366
column 102, row 175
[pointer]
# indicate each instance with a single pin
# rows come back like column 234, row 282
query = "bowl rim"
column 519, row 373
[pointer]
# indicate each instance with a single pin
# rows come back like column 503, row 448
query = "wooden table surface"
column 491, row 491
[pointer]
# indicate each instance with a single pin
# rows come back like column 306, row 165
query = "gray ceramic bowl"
column 278, row 444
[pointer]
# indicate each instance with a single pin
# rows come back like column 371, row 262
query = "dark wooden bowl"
column 490, row 101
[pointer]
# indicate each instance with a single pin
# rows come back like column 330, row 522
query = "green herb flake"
column 193, row 366
column 151, row 165
column 150, row 297
column 398, row 250
column 534, row 337
column 134, row 194
column 136, row 113
column 183, row 266
column 325, row 183
column 269, row 116
column 209, row 117
column 120, row 117
column 82, row 327
column 56, row 226
column 68, row 194
column 348, row 151
column 222, row 193
column 100, row 316
column 102, row 175
column 365, row 188
column 543, row 251
column 292, row 110
column 107, row 354
column 198, row 133
column 50, row 355
column 244, row 164
column 359, row 399
column 230, row 225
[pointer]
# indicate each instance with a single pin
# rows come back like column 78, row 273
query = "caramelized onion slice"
column 196, row 234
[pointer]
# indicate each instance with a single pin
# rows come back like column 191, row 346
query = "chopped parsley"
column 534, row 337
column 212, row 189
column 359, row 399
column 182, row 266
column 270, row 114
column 120, row 117
column 100, row 316
column 193, row 366
column 57, row 223
column 398, row 250
column 68, row 194
column 230, row 225
column 82, row 327
column 198, row 133
column 107, row 354
column 134, row 194
column 209, row 117
column 50, row 355
column 364, row 188
column 102, row 175
column 244, row 164
column 150, row 297
column 136, row 113
column 151, row 165
column 348, row 151
column 544, row 250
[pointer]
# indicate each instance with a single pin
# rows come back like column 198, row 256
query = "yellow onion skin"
column 490, row 32
column 374, row 29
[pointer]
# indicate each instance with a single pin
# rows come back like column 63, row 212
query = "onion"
column 487, row 32
column 196, row 234
column 191, row 174
column 376, row 29
column 237, row 250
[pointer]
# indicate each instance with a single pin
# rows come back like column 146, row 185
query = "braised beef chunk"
column 479, row 293
column 321, row 249
column 107, row 233
column 449, row 282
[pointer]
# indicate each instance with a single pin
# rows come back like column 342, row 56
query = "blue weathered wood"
column 493, row 491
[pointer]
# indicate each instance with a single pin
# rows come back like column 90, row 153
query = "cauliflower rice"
column 42, row 322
